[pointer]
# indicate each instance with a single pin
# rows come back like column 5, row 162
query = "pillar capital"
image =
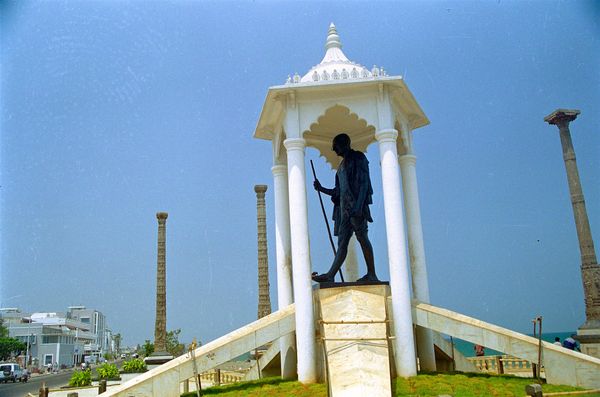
column 162, row 216
column 294, row 144
column 386, row 135
column 407, row 159
column 260, row 189
column 562, row 117
column 279, row 170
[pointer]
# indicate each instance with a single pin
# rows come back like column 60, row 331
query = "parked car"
column 12, row 372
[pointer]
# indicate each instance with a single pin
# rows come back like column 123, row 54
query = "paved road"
column 34, row 384
column 53, row 381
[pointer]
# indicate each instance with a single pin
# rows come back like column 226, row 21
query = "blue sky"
column 114, row 110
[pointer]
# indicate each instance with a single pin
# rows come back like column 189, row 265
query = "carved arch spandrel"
column 279, row 151
column 335, row 120
column 404, row 143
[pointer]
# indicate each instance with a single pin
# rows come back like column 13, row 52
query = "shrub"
column 134, row 365
column 107, row 371
column 81, row 378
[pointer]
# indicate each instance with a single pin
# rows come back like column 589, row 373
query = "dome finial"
column 333, row 39
column 334, row 65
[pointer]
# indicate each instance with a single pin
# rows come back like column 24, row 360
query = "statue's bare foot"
column 322, row 278
column 369, row 277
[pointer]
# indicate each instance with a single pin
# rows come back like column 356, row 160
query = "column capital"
column 294, row 144
column 407, row 159
column 562, row 117
column 279, row 170
column 260, row 189
column 386, row 135
column 162, row 216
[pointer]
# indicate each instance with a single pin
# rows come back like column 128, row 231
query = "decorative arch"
column 335, row 120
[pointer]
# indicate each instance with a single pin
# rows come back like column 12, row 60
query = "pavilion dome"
column 335, row 65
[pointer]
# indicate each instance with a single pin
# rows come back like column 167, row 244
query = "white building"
column 63, row 338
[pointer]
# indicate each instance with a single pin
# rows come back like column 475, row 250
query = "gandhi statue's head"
column 341, row 144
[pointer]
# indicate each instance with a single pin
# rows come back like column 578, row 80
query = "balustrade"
column 504, row 364
column 216, row 377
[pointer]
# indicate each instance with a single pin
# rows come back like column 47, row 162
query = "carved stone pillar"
column 589, row 333
column 160, row 354
column 264, row 300
column 160, row 328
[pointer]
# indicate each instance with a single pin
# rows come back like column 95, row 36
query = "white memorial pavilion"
column 341, row 335
column 336, row 96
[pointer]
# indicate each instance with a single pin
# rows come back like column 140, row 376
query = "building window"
column 50, row 339
column 85, row 320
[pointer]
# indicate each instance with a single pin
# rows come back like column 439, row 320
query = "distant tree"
column 147, row 348
column 3, row 329
column 117, row 339
column 174, row 348
column 10, row 347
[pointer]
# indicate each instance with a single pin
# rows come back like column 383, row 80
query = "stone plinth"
column 156, row 360
column 589, row 340
column 353, row 326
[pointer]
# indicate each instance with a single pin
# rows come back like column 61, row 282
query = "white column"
column 301, row 274
column 416, row 248
column 283, row 248
column 351, row 262
column 404, row 348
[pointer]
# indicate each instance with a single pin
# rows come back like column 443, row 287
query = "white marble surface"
column 356, row 367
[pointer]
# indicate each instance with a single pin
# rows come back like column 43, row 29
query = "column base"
column 157, row 358
column 588, row 336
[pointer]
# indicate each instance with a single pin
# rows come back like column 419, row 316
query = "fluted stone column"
column 264, row 300
column 303, row 297
column 160, row 328
column 416, row 249
column 589, row 333
column 404, row 349
column 160, row 354
column 283, row 249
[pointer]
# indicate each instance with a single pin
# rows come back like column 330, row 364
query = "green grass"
column 469, row 385
column 271, row 387
column 432, row 384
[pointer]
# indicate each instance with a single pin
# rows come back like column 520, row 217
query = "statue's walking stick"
column 325, row 217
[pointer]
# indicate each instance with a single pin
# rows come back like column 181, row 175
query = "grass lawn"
column 434, row 384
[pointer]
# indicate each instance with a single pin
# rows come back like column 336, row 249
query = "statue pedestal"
column 353, row 339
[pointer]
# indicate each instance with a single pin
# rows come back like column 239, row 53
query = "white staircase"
column 354, row 338
column 562, row 366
